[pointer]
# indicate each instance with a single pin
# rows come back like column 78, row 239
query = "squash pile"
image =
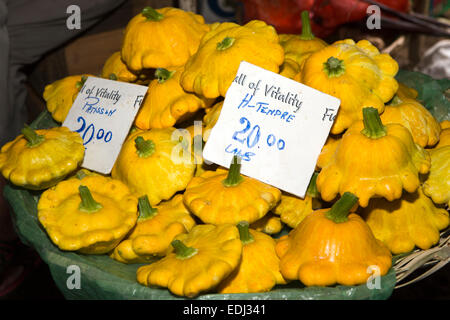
column 381, row 187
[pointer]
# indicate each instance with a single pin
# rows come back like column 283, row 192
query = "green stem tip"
column 163, row 74
column 80, row 83
column 32, row 137
column 144, row 148
column 151, row 14
column 244, row 233
column 182, row 251
column 306, row 27
column 234, row 173
column 88, row 204
column 340, row 210
column 80, row 175
column 312, row 187
column 225, row 43
column 334, row 67
column 373, row 127
column 395, row 100
column 146, row 211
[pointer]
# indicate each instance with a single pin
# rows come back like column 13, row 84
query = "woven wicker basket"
column 422, row 263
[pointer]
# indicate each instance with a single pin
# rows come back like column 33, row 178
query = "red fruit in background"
column 326, row 15
column 283, row 15
column 336, row 12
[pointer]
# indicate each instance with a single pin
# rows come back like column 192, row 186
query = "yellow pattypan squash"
column 61, row 94
column 444, row 137
column 402, row 224
column 201, row 260
column 292, row 210
column 328, row 150
column 331, row 246
column 270, row 224
column 154, row 231
column 150, row 164
column 425, row 129
column 38, row 159
column 212, row 69
column 445, row 124
column 166, row 103
column 437, row 184
column 356, row 73
column 223, row 196
column 259, row 269
column 289, row 68
column 405, row 92
column 89, row 215
column 210, row 119
column 161, row 38
column 115, row 69
column 374, row 160
column 299, row 47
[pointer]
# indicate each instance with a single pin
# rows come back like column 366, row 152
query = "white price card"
column 277, row 126
column 102, row 114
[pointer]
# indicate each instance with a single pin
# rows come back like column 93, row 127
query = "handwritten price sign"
column 102, row 114
column 277, row 126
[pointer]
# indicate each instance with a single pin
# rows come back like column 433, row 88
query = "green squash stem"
column 395, row 100
column 244, row 233
column 80, row 83
column 373, row 127
column 144, row 148
column 88, row 204
column 151, row 14
column 225, row 43
column 33, row 139
column 312, row 187
column 163, row 74
column 182, row 251
column 146, row 211
column 80, row 175
column 234, row 177
column 334, row 67
column 113, row 76
column 340, row 210
column 306, row 27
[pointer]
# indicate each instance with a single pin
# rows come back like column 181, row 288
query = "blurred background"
column 416, row 35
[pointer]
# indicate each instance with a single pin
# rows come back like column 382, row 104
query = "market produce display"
column 195, row 230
